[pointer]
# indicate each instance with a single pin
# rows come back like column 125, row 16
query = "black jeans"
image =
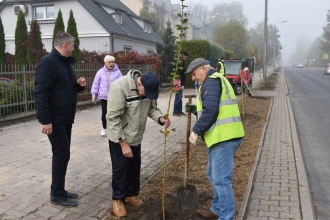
column 104, row 104
column 125, row 172
column 60, row 139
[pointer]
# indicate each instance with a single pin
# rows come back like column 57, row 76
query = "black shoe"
column 63, row 201
column 177, row 114
column 182, row 113
column 71, row 195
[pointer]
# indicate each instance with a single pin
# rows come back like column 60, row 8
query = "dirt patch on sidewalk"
column 254, row 118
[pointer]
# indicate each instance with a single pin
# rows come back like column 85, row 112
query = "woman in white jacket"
column 101, row 84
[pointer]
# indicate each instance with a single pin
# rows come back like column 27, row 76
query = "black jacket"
column 56, row 89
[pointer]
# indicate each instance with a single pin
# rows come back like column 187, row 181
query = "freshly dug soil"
column 254, row 117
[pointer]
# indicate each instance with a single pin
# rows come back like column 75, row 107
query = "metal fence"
column 17, row 84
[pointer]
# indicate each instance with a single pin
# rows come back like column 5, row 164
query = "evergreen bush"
column 20, row 39
column 72, row 29
column 59, row 25
column 2, row 45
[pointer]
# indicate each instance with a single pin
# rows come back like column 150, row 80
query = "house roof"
column 195, row 21
column 129, row 26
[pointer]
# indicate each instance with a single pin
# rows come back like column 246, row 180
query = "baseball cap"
column 195, row 64
column 151, row 84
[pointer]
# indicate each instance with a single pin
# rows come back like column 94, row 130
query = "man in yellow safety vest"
column 219, row 124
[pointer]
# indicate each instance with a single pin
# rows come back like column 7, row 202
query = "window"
column 127, row 48
column 44, row 12
column 117, row 16
column 147, row 27
column 150, row 51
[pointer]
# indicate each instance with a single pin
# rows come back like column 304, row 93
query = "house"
column 102, row 25
column 168, row 12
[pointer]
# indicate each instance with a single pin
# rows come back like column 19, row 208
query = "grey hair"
column 109, row 58
column 208, row 66
column 62, row 37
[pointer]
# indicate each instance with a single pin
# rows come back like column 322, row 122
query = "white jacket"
column 127, row 112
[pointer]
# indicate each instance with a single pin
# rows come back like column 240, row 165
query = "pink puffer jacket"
column 103, row 80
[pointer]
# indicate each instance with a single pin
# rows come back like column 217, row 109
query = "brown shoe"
column 118, row 208
column 134, row 201
column 206, row 213
column 182, row 113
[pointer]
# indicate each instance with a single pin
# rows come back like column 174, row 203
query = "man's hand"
column 166, row 122
column 47, row 129
column 94, row 99
column 126, row 149
column 81, row 81
column 193, row 139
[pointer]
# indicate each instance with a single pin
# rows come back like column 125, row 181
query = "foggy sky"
column 305, row 18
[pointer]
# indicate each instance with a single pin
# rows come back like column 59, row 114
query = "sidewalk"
column 278, row 186
column 279, row 190
column 25, row 165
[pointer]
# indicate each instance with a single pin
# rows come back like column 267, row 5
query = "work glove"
column 193, row 139
column 94, row 99
column 192, row 107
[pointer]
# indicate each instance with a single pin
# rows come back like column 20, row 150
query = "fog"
column 305, row 19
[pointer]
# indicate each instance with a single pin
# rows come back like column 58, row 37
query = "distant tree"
column 325, row 44
column 20, row 39
column 166, row 51
column 2, row 44
column 226, row 12
column 152, row 16
column 72, row 29
column 233, row 36
column 201, row 11
column 34, row 43
column 59, row 25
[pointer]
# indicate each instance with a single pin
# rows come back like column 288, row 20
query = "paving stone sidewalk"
column 280, row 188
column 25, row 165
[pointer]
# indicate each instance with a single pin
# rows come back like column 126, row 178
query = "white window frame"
column 44, row 12
column 127, row 48
column 147, row 27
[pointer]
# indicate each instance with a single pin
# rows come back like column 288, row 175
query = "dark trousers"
column 60, row 139
column 125, row 172
column 178, row 102
column 104, row 104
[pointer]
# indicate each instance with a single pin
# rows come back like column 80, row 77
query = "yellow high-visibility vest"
column 228, row 124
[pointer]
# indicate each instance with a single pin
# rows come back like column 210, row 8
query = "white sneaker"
column 104, row 132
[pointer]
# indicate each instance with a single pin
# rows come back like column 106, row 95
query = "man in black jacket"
column 177, row 110
column 56, row 91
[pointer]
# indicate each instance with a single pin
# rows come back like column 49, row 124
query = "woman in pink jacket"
column 101, row 84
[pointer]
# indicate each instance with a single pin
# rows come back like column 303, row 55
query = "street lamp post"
column 265, row 41
column 275, row 42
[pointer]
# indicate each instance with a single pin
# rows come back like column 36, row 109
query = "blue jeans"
column 178, row 102
column 219, row 171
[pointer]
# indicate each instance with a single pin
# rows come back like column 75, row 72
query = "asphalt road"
column 309, row 92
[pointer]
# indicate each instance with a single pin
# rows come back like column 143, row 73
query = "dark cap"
column 151, row 84
column 184, row 53
column 195, row 64
column 222, row 58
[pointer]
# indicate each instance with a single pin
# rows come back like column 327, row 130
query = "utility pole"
column 265, row 41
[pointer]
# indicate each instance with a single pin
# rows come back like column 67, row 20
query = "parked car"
column 327, row 69
column 5, row 81
column 300, row 65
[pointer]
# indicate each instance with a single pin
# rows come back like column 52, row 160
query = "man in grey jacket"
column 131, row 99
